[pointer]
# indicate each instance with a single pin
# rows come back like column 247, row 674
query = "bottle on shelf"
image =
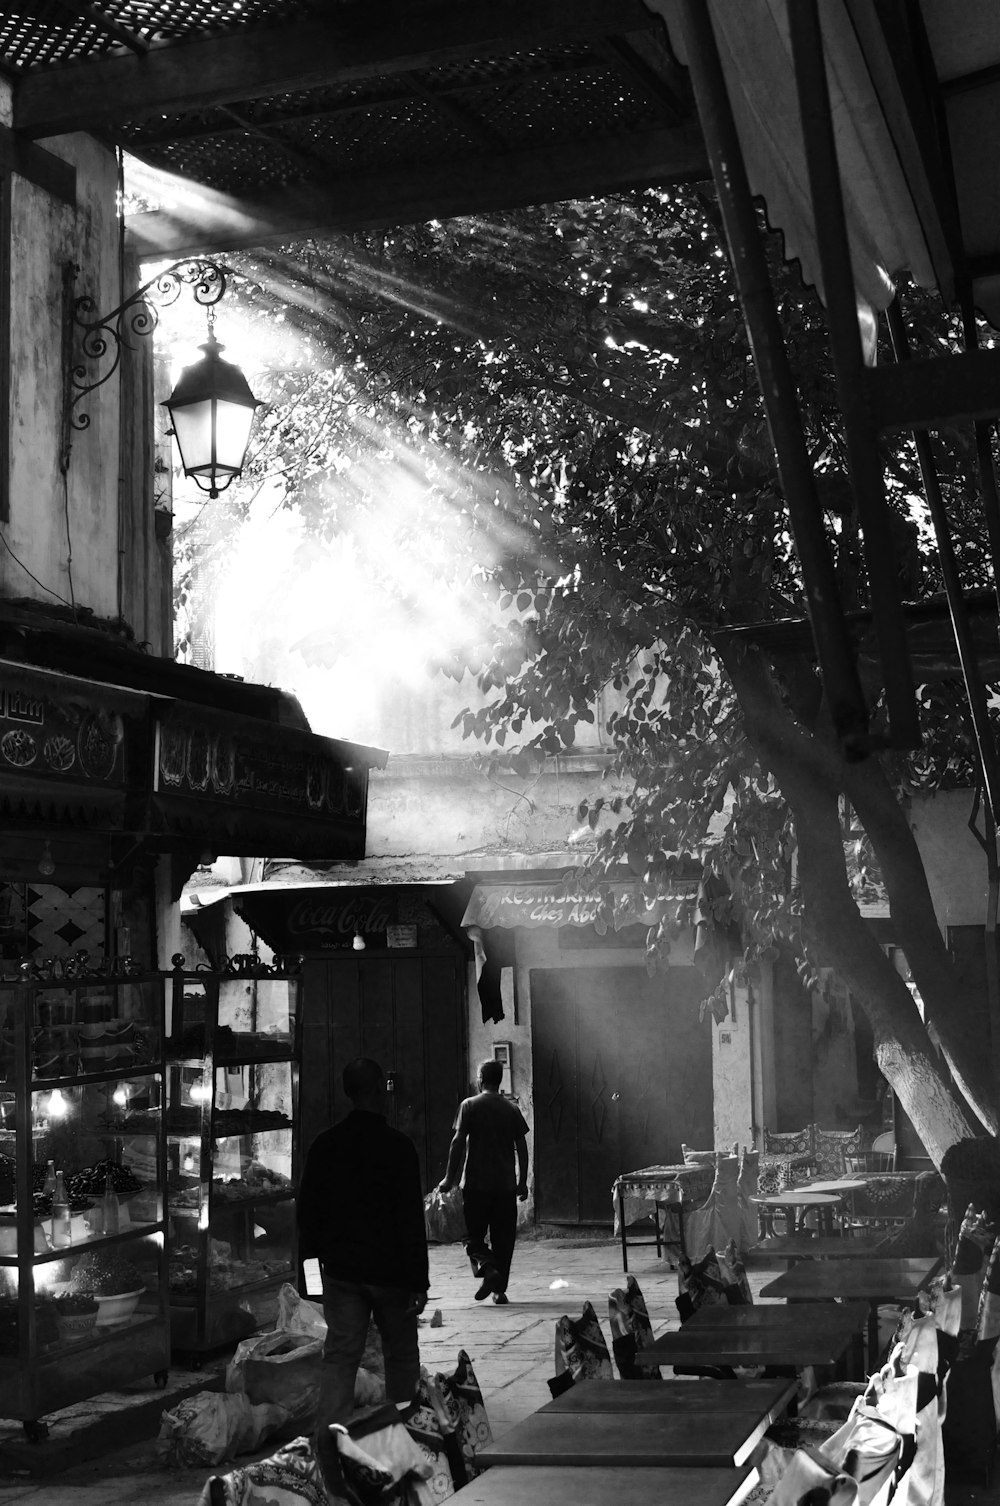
column 109, row 1208
column 50, row 1180
column 62, row 1227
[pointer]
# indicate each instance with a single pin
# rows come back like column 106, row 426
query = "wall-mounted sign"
column 535, row 905
column 238, row 761
column 56, row 728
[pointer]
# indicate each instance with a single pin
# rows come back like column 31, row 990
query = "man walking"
column 489, row 1137
column 360, row 1211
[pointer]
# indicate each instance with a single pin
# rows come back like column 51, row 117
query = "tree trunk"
column 919, row 935
column 810, row 774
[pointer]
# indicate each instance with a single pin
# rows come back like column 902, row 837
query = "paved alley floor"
column 512, row 1350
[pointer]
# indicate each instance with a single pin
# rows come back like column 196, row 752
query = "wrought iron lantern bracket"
column 94, row 339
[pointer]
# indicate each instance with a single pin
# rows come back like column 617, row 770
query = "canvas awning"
column 556, row 904
column 900, row 83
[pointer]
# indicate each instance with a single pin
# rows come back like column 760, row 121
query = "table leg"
column 873, row 1355
column 621, row 1228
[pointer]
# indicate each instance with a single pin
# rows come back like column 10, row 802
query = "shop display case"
column 232, row 1046
column 83, row 1269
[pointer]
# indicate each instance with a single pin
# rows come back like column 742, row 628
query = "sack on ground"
column 444, row 1217
column 283, row 1368
column 298, row 1315
column 216, row 1425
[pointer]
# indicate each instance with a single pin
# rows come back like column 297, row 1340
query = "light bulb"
column 46, row 863
column 58, row 1107
column 189, row 1162
column 359, row 942
column 120, row 1095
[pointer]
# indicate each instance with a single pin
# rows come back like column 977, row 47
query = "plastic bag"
column 298, row 1315
column 281, row 1368
column 215, row 1425
column 444, row 1216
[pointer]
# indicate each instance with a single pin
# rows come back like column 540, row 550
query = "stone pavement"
column 511, row 1348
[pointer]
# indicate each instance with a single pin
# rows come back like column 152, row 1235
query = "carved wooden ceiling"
column 299, row 116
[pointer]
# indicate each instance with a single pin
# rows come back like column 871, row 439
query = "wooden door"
column 408, row 1013
column 622, row 1074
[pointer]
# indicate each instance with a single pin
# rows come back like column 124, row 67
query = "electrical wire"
column 20, row 562
column 69, row 545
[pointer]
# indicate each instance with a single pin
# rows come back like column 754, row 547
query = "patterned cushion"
column 464, row 1401
column 581, row 1348
column 975, row 1241
column 832, row 1146
column 290, row 1477
column 734, row 1274
column 631, row 1330
column 790, row 1142
column 433, row 1429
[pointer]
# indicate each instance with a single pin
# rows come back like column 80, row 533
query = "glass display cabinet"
column 232, row 1046
column 83, row 1269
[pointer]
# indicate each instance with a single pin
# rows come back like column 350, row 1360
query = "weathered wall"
column 449, row 808
column 65, row 530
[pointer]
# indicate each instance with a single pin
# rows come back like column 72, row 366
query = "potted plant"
column 76, row 1314
column 114, row 1283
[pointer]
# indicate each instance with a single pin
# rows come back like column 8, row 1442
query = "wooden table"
column 562, row 1485
column 793, row 1247
column 656, row 1185
column 877, row 1279
column 799, row 1334
column 795, row 1204
column 720, row 1427
column 770, row 1397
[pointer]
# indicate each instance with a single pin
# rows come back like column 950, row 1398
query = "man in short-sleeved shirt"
column 490, row 1151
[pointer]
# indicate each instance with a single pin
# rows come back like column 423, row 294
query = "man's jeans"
column 347, row 1307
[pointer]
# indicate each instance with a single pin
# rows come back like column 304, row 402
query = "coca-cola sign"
column 322, row 918
column 339, row 919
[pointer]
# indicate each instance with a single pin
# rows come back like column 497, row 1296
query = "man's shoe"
column 485, row 1290
column 500, row 1298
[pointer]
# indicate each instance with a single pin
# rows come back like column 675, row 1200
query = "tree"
column 572, row 390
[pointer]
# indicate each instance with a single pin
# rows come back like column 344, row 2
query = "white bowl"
column 117, row 1308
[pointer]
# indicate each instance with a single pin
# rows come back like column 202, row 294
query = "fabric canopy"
column 915, row 99
column 886, row 229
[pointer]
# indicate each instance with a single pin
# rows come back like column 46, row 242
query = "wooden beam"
column 930, row 394
column 40, row 167
column 472, row 185
column 354, row 42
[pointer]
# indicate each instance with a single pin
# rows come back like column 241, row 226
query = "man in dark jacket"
column 489, row 1137
column 361, row 1212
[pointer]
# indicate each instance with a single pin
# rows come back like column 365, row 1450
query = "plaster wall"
column 449, row 808
column 732, row 1073
column 954, row 861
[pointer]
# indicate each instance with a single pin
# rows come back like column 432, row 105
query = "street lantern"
column 211, row 412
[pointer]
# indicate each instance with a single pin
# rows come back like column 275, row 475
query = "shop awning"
column 101, row 768
column 559, row 904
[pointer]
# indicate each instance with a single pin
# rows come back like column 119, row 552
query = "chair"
column 869, row 1161
column 831, row 1148
column 718, row 1220
column 793, row 1152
